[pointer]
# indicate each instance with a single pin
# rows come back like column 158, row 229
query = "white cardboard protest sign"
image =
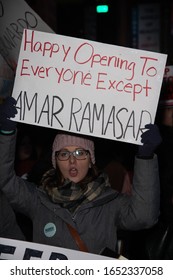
column 11, row 249
column 14, row 17
column 87, row 87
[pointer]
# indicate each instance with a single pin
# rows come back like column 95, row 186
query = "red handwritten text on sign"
column 92, row 59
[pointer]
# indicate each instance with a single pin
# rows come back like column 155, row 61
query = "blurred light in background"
column 102, row 8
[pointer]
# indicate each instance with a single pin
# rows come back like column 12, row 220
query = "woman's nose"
column 72, row 158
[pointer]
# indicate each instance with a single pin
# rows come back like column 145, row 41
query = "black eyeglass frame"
column 72, row 153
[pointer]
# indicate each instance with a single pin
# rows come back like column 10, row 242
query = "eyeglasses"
column 79, row 154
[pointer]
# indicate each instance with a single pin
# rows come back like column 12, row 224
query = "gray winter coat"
column 8, row 224
column 97, row 221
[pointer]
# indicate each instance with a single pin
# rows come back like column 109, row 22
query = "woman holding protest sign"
column 75, row 206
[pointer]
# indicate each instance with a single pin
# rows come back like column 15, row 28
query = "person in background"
column 75, row 198
column 8, row 224
column 165, row 158
column 26, row 155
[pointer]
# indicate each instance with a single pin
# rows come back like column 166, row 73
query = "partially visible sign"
column 6, row 78
column 14, row 17
column 87, row 87
column 11, row 249
column 166, row 97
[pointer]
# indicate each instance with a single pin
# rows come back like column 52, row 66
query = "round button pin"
column 50, row 229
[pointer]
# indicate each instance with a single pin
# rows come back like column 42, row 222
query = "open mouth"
column 73, row 172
